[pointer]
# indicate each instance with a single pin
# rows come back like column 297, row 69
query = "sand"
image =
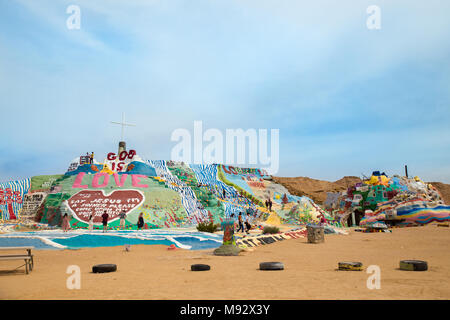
column 153, row 272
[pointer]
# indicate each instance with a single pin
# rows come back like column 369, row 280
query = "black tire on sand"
column 103, row 268
column 271, row 266
column 200, row 267
column 413, row 265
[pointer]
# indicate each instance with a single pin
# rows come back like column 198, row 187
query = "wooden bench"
column 28, row 258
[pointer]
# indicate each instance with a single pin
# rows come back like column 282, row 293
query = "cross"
column 123, row 124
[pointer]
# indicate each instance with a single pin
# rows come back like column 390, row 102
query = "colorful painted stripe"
column 11, row 198
column 206, row 174
column 188, row 198
column 424, row 215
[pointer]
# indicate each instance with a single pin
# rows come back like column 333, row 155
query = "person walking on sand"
column 241, row 224
column 122, row 217
column 140, row 223
column 91, row 222
column 105, row 217
column 65, row 223
column 247, row 224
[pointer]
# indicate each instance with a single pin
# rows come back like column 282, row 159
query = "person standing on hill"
column 65, row 223
column 323, row 221
column 91, row 158
column 91, row 222
column 105, row 217
column 122, row 217
column 140, row 223
column 270, row 205
column 241, row 224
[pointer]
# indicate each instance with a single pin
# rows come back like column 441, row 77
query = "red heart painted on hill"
column 87, row 202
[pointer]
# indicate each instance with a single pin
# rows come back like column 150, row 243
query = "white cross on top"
column 123, row 124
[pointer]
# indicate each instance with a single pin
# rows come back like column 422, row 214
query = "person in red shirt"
column 105, row 217
column 322, row 220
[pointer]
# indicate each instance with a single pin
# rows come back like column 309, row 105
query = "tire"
column 413, row 265
column 350, row 266
column 200, row 267
column 103, row 268
column 271, row 266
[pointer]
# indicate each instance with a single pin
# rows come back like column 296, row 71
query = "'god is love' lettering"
column 101, row 180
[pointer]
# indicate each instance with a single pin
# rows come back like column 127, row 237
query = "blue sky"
column 347, row 100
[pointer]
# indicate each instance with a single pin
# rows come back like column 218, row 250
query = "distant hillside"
column 315, row 189
column 444, row 190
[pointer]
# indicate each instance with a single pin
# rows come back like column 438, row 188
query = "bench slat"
column 16, row 258
column 16, row 255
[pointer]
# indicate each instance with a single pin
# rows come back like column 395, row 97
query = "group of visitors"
column 245, row 226
column 90, row 157
column 269, row 204
column 105, row 218
column 122, row 216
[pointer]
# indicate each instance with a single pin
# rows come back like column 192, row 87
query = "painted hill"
column 174, row 194
column 166, row 193
column 317, row 189
column 374, row 201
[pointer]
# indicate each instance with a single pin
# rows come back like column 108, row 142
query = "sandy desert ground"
column 153, row 272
